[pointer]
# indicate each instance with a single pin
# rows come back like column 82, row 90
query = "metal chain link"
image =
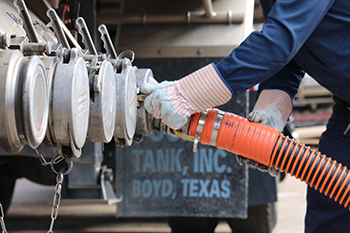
column 59, row 181
column 56, row 200
column 2, row 222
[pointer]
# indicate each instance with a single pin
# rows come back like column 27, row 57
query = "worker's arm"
column 288, row 25
column 261, row 56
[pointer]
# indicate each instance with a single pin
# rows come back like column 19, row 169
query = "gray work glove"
column 267, row 111
column 175, row 102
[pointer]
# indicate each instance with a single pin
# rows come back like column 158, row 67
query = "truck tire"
column 261, row 219
column 192, row 224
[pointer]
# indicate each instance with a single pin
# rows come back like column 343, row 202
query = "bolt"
column 200, row 51
column 160, row 51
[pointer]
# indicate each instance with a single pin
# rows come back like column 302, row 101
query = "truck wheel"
column 7, row 185
column 261, row 219
column 192, row 224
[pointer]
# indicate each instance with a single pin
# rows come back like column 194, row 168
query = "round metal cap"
column 70, row 102
column 126, row 103
column 35, row 101
column 11, row 62
column 103, row 105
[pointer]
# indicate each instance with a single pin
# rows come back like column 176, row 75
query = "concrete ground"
column 31, row 208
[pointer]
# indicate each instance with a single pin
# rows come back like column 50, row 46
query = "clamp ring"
column 199, row 129
column 217, row 123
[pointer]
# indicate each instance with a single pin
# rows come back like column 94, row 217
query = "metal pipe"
column 208, row 7
column 189, row 18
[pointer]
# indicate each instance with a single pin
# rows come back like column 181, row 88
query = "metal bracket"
column 107, row 188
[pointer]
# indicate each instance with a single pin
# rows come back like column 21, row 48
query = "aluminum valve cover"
column 144, row 119
column 70, row 103
column 103, row 105
column 126, row 104
column 23, row 100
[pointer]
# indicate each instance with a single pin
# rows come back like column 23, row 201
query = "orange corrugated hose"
column 271, row 148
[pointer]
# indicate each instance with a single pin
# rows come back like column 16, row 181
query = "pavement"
column 32, row 203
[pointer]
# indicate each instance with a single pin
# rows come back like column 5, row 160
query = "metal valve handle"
column 55, row 23
column 107, row 42
column 84, row 32
column 27, row 21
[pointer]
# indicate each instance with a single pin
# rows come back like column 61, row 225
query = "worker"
column 310, row 36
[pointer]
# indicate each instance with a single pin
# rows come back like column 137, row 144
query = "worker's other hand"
column 175, row 102
column 271, row 109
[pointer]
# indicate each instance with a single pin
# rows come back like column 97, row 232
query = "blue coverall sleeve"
column 263, row 54
column 287, row 79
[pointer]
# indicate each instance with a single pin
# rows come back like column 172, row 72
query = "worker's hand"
column 158, row 104
column 271, row 109
column 175, row 102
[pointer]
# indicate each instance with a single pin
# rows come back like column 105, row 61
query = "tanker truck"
column 72, row 113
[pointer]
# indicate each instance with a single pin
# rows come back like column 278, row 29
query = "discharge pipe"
column 268, row 146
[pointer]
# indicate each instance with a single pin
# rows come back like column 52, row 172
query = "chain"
column 56, row 200
column 59, row 181
column 2, row 222
column 58, row 189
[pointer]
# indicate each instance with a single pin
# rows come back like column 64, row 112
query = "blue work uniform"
column 301, row 36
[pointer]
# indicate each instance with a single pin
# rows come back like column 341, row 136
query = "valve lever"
column 27, row 21
column 107, row 42
column 84, row 32
column 55, row 23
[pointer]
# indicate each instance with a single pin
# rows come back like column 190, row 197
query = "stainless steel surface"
column 126, row 103
column 182, row 40
column 55, row 23
column 70, row 102
column 86, row 37
column 26, row 20
column 208, row 7
column 103, row 105
column 189, row 18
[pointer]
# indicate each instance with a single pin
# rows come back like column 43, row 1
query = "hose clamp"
column 217, row 123
column 199, row 129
